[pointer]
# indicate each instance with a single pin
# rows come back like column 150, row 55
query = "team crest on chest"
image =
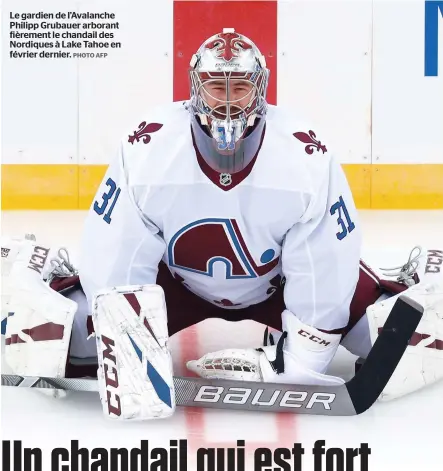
column 200, row 244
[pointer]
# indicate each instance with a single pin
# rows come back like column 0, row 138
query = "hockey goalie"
column 222, row 206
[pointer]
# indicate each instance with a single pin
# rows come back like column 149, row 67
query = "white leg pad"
column 135, row 366
column 422, row 363
column 40, row 320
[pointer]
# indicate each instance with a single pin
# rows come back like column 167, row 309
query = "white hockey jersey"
column 289, row 213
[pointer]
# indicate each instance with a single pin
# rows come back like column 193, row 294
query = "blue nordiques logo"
column 433, row 16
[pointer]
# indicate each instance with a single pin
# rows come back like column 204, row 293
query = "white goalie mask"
column 228, row 79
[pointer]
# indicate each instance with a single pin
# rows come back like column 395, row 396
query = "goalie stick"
column 351, row 398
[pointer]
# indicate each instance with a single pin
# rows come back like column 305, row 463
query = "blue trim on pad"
column 160, row 385
column 137, row 350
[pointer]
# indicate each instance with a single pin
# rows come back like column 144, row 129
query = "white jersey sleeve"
column 321, row 254
column 119, row 246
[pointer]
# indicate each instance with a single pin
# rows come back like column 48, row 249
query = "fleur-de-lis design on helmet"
column 143, row 131
column 228, row 45
column 311, row 140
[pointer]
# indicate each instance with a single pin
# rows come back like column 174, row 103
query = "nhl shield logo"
column 225, row 179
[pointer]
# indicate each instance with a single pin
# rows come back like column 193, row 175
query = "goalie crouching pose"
column 219, row 207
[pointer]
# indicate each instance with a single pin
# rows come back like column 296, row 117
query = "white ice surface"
column 403, row 434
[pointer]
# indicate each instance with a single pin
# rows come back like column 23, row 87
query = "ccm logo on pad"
column 279, row 397
column 111, row 376
column 434, row 262
column 38, row 259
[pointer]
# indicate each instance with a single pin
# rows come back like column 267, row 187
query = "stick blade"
column 365, row 388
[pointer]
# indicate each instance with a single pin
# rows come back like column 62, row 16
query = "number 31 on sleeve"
column 110, row 196
column 346, row 226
